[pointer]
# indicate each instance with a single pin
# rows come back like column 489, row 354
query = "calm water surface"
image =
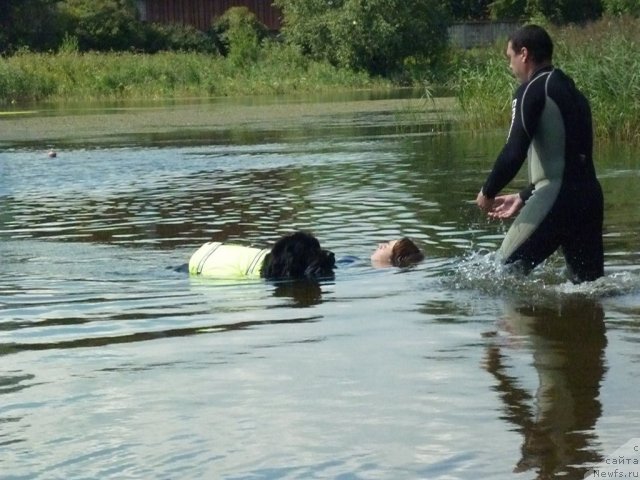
column 113, row 365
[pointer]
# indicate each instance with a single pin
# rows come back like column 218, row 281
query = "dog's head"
column 298, row 255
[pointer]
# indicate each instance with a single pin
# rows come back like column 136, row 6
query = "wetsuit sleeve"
column 526, row 109
column 526, row 193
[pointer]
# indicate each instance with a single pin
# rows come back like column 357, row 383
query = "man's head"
column 529, row 48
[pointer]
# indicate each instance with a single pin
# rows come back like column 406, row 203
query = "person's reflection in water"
column 304, row 293
column 568, row 343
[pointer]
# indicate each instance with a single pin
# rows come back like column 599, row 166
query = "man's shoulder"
column 527, row 95
column 537, row 84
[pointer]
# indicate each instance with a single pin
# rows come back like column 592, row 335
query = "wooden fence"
column 480, row 34
column 202, row 13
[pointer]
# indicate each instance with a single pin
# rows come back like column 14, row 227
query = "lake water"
column 113, row 365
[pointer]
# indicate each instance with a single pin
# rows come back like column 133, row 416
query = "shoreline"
column 60, row 125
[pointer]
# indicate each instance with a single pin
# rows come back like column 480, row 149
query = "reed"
column 483, row 86
column 600, row 58
column 69, row 75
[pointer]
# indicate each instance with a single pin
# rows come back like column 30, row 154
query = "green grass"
column 31, row 77
column 599, row 57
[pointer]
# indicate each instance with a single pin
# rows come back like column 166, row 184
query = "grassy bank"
column 28, row 77
column 600, row 59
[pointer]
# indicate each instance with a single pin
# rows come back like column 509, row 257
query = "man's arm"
column 526, row 108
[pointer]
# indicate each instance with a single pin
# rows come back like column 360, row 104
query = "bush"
column 622, row 7
column 378, row 36
column 240, row 35
column 103, row 24
column 182, row 38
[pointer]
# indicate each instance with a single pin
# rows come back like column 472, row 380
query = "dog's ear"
column 322, row 265
column 286, row 260
column 298, row 255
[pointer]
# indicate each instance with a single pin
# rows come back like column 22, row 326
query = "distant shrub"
column 184, row 38
column 622, row 7
column 240, row 35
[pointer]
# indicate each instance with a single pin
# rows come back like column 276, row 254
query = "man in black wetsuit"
column 551, row 126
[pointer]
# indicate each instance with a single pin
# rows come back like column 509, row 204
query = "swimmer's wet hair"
column 405, row 253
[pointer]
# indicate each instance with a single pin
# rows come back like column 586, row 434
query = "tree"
column 29, row 23
column 103, row 24
column 556, row 11
column 469, row 9
column 566, row 11
column 508, row 9
column 379, row 36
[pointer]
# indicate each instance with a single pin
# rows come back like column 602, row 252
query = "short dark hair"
column 405, row 253
column 536, row 40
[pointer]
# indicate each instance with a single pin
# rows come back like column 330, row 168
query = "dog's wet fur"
column 298, row 255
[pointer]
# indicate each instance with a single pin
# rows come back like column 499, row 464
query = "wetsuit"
column 551, row 126
column 217, row 260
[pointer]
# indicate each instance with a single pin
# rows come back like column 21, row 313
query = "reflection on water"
column 567, row 342
column 302, row 293
column 117, row 365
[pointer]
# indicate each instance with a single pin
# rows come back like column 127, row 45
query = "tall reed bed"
column 69, row 75
column 601, row 59
column 483, row 84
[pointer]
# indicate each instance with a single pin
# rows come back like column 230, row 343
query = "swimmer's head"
column 396, row 253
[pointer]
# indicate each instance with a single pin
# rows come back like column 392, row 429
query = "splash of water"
column 614, row 284
column 483, row 271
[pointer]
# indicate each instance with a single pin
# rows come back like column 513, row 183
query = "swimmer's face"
column 382, row 255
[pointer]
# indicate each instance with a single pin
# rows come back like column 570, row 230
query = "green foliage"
column 240, row 33
column 18, row 84
column 600, row 59
column 557, row 11
column 469, row 9
column 598, row 56
column 567, row 11
column 103, row 24
column 157, row 37
column 112, row 25
column 378, row 36
column 69, row 45
column 483, row 85
column 35, row 24
column 508, row 9
column 622, row 7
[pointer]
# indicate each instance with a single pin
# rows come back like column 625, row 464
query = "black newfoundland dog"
column 297, row 255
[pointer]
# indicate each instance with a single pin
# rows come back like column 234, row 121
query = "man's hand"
column 483, row 202
column 505, row 206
